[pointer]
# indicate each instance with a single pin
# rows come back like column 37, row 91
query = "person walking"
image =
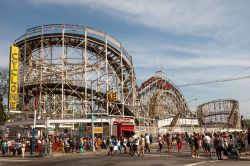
column 147, row 142
column 125, row 141
column 23, row 148
column 169, row 141
column 142, row 145
column 118, row 144
column 81, row 146
column 136, row 146
column 151, row 139
column 196, row 145
column 218, row 146
column 191, row 144
column 4, row 147
column 160, row 142
column 111, row 146
column 207, row 145
column 179, row 142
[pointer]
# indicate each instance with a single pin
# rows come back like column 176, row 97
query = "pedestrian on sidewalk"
column 169, row 141
column 50, row 148
column 207, row 145
column 179, row 142
column 151, row 139
column 111, row 146
column 136, row 146
column 81, row 146
column 147, row 142
column 196, row 145
column 119, row 145
column 23, row 146
column 218, row 146
column 160, row 142
column 125, row 142
column 4, row 147
column 191, row 144
column 142, row 145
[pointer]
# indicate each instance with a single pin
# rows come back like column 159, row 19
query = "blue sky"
column 193, row 41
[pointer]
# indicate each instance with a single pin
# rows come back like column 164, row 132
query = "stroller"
column 234, row 152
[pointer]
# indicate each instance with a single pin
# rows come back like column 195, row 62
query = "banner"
column 13, row 78
column 98, row 130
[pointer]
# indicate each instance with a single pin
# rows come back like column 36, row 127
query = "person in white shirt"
column 147, row 142
column 125, row 145
column 23, row 148
column 207, row 145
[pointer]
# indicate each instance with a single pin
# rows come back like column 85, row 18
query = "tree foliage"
column 3, row 93
column 246, row 123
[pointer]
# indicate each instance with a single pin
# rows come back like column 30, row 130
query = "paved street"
column 101, row 159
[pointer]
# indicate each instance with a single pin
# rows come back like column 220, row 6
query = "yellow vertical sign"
column 13, row 78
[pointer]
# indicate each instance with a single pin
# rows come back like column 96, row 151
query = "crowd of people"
column 46, row 146
column 218, row 144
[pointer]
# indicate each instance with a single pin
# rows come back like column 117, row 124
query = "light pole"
column 35, row 94
column 92, row 120
column 92, row 112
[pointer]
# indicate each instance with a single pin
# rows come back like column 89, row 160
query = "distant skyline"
column 191, row 40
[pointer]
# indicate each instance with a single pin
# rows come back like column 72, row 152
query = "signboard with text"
column 98, row 130
column 13, row 80
column 124, row 120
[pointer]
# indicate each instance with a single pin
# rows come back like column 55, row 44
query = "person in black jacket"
column 218, row 145
column 151, row 139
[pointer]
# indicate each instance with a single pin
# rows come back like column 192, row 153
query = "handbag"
column 116, row 147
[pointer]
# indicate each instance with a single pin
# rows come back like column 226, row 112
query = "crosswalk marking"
column 195, row 163
column 14, row 160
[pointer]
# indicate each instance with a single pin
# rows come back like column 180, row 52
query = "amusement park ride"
column 71, row 74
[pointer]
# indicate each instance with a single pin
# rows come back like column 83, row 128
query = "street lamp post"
column 35, row 94
column 92, row 113
column 92, row 117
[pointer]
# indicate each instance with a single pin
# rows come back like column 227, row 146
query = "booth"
column 125, row 127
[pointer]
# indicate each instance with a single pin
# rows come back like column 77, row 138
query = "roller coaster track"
column 72, row 90
column 222, row 112
column 94, row 45
column 95, row 52
column 158, row 86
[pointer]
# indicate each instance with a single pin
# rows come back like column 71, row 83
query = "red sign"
column 127, row 128
column 124, row 120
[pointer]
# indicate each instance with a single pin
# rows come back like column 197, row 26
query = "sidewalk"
column 57, row 154
column 98, row 152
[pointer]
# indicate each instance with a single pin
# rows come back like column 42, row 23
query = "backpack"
column 191, row 141
column 136, row 141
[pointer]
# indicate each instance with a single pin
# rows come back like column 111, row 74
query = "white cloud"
column 4, row 53
column 224, row 23
column 204, row 18
column 171, row 61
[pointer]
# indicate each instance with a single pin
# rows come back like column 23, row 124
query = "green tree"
column 246, row 123
column 3, row 93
